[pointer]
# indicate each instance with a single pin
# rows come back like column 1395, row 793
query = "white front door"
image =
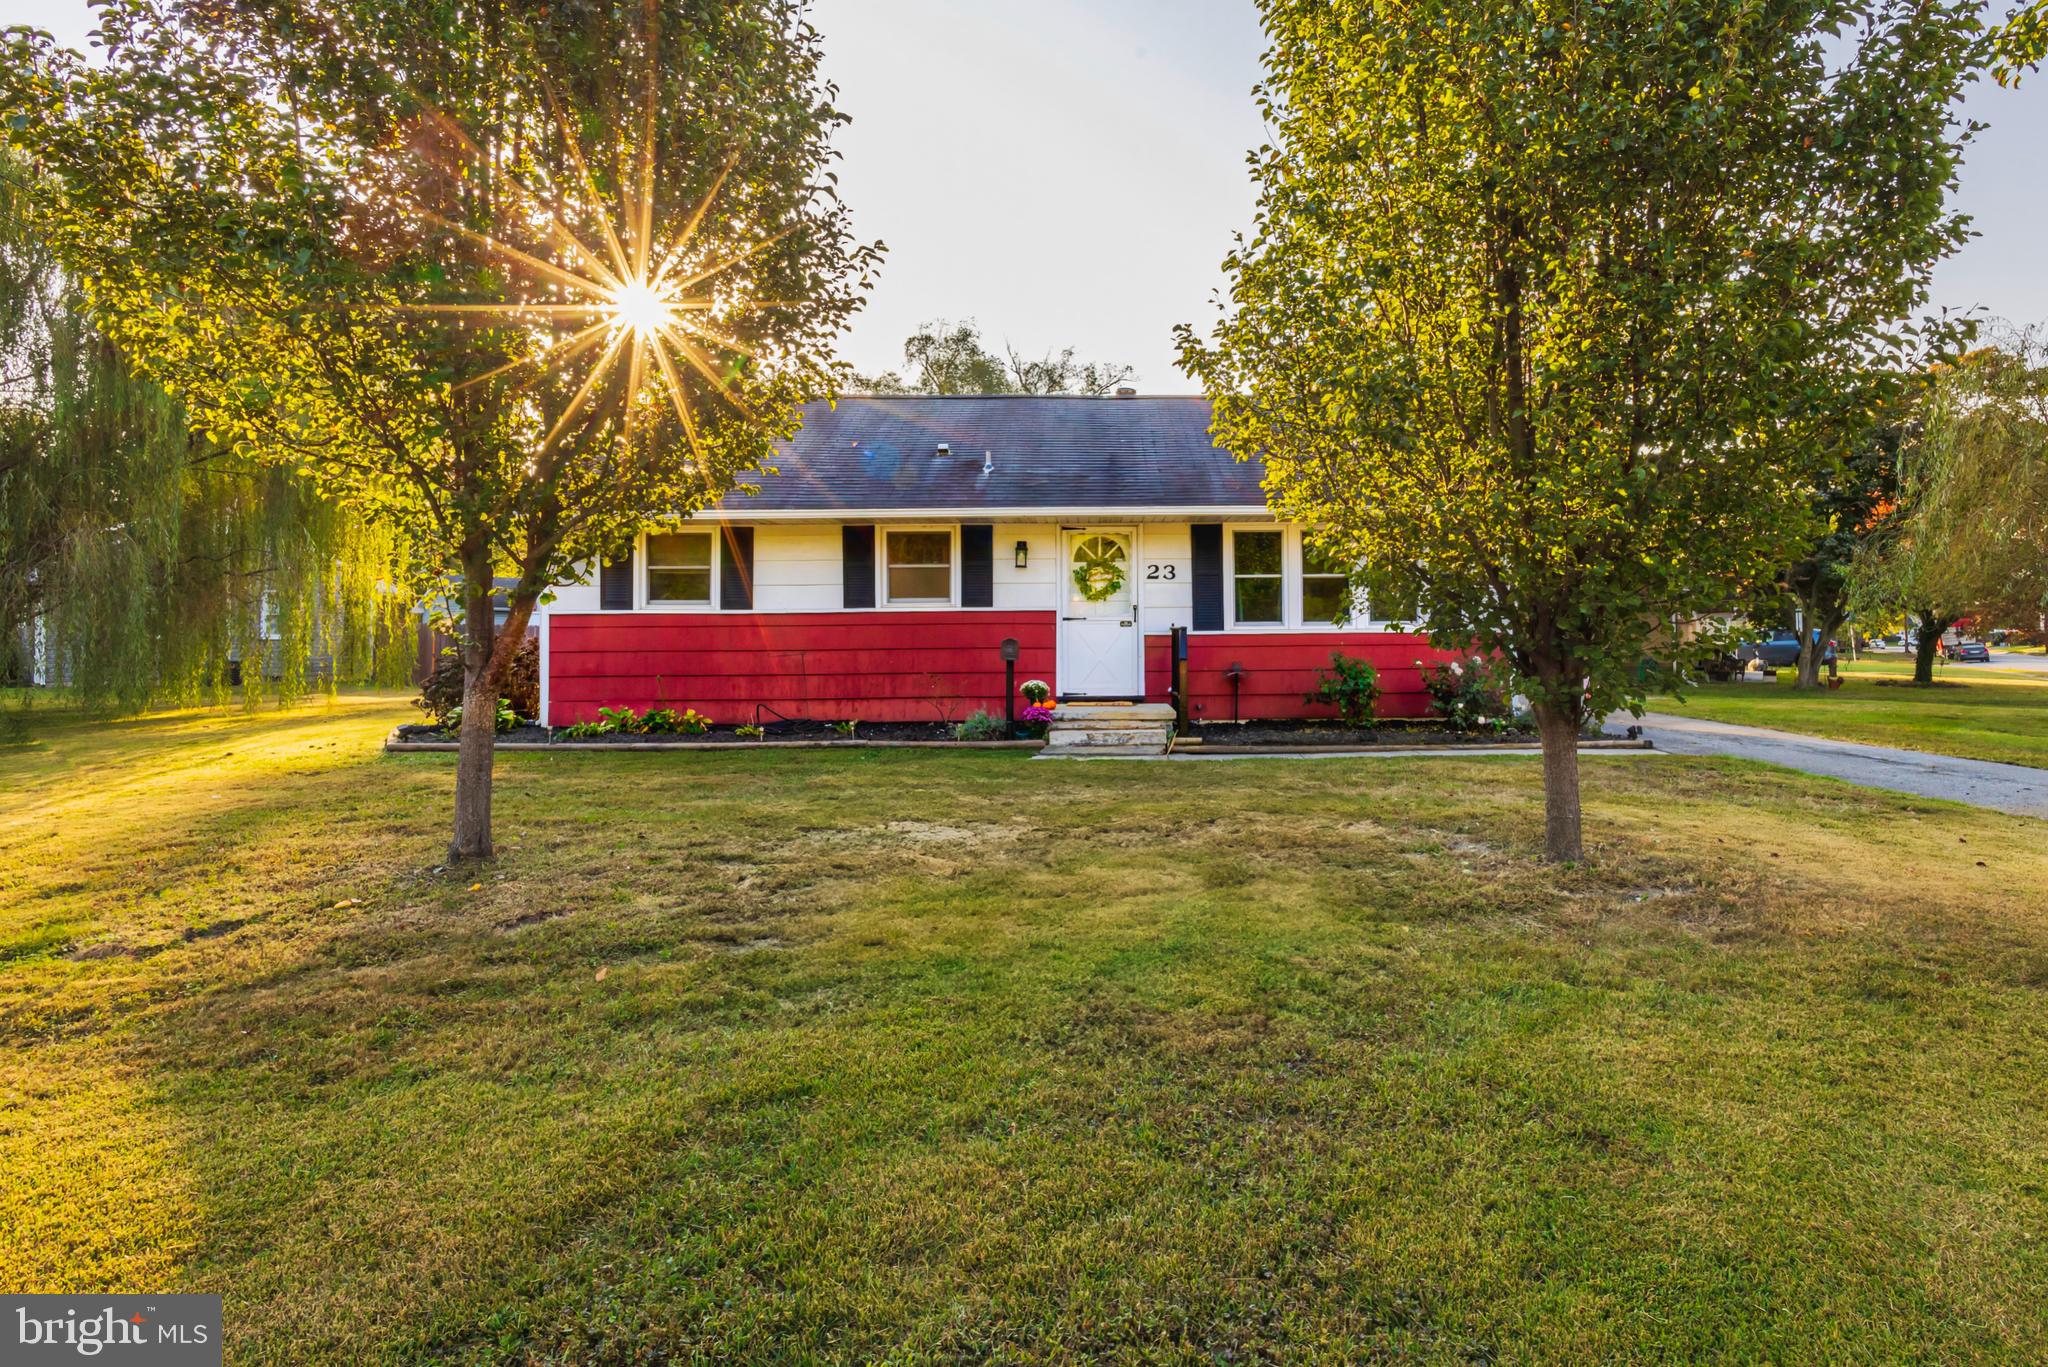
column 1100, row 648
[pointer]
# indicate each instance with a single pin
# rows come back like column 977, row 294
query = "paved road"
column 2015, row 788
column 2031, row 663
column 2006, row 659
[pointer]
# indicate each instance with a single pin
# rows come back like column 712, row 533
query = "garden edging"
column 394, row 746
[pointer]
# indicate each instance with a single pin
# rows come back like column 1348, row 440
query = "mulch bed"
column 807, row 731
column 1294, row 735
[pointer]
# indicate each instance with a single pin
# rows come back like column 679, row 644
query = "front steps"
column 1088, row 730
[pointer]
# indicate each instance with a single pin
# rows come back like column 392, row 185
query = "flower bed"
column 804, row 732
column 1334, row 735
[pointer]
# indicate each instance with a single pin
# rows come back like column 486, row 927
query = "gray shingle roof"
column 878, row 454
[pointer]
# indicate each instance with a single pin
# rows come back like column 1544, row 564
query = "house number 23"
column 1159, row 571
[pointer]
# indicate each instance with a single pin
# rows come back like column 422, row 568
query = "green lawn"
column 1974, row 711
column 847, row 1056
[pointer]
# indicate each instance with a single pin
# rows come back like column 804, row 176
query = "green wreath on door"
column 1099, row 568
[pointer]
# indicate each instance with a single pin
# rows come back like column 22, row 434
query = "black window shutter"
column 977, row 565
column 1207, row 541
column 857, row 562
column 736, row 569
column 615, row 584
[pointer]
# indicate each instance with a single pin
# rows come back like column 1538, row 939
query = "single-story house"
column 876, row 574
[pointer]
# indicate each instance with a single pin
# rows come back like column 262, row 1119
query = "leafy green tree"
column 138, row 561
column 950, row 358
column 512, row 277
column 2021, row 42
column 1547, row 304
column 1849, row 502
column 1971, row 528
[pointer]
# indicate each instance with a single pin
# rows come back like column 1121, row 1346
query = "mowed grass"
column 1974, row 711
column 922, row 1057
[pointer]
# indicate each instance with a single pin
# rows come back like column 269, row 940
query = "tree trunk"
column 1925, row 645
column 1810, row 653
column 1560, row 734
column 479, row 736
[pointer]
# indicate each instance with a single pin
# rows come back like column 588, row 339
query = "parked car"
column 1780, row 650
column 1966, row 652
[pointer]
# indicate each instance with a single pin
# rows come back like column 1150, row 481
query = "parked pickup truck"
column 1780, row 650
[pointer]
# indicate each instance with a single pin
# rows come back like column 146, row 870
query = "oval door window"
column 1102, row 571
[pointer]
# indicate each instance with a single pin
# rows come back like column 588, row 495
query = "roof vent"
column 988, row 462
column 945, row 448
column 1124, row 391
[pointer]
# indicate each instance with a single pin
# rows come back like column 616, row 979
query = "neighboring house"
column 876, row 574
column 430, row 620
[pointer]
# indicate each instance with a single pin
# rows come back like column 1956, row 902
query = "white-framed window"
column 681, row 568
column 1326, row 598
column 1275, row 580
column 1258, row 577
column 917, row 566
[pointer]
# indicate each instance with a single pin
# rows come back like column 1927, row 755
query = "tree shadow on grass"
column 760, row 1059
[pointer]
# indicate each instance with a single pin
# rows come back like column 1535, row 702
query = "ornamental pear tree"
column 513, row 277
column 1549, row 306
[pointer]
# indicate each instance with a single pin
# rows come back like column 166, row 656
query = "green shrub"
column 1471, row 694
column 441, row 693
column 507, row 720
column 623, row 719
column 1351, row 686
column 982, row 725
column 846, row 728
column 750, row 732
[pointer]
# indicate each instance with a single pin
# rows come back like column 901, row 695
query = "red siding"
column 875, row 666
column 1281, row 669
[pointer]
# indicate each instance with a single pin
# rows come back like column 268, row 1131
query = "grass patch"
column 845, row 1056
column 1975, row 711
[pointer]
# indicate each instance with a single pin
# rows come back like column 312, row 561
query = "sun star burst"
column 629, row 301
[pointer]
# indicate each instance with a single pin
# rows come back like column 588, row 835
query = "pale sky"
column 1069, row 173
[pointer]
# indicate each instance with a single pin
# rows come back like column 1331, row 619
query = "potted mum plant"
column 1037, row 711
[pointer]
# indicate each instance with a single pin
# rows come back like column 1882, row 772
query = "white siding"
column 1035, row 587
column 1167, row 601
column 797, row 568
column 580, row 596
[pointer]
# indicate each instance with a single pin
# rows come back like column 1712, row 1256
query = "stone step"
column 1124, row 711
column 1079, row 728
column 1110, row 724
column 1102, row 752
column 1096, row 740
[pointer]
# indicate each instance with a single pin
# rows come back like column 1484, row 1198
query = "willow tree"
column 140, row 563
column 512, row 278
column 1547, row 304
column 1968, row 533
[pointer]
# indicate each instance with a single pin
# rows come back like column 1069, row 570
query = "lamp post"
column 1010, row 681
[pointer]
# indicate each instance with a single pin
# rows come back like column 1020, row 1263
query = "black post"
column 1236, row 677
column 1179, row 651
column 1010, row 681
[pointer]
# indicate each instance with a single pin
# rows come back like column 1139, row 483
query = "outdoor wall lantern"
column 1023, row 553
